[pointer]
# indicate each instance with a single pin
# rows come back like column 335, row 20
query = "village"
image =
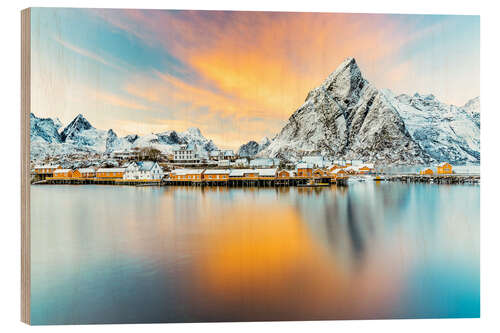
column 224, row 168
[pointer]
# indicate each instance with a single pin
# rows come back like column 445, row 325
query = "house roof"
column 304, row 166
column 228, row 153
column 181, row 172
column 268, row 172
column 62, row 170
column 217, row 171
column 146, row 165
column 368, row 165
column 240, row 172
column 442, row 164
column 48, row 166
column 111, row 170
column 85, row 170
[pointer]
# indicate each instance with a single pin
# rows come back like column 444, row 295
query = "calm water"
column 174, row 254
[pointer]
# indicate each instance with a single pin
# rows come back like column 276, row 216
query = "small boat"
column 378, row 178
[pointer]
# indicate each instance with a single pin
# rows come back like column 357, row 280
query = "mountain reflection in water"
column 126, row 254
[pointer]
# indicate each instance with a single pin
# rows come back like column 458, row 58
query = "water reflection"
column 216, row 254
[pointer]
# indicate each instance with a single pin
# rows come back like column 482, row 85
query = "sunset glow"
column 237, row 76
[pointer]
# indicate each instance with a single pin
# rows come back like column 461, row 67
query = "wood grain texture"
column 25, row 164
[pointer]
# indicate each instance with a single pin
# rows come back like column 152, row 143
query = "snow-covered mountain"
column 79, row 137
column 446, row 132
column 252, row 148
column 45, row 129
column 347, row 117
column 472, row 108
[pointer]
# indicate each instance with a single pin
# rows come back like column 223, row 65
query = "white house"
column 317, row 161
column 262, row 163
column 223, row 163
column 228, row 154
column 185, row 153
column 215, row 155
column 241, row 162
column 143, row 170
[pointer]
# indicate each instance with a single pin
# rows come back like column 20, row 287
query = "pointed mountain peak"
column 344, row 84
column 78, row 125
column 348, row 67
column 111, row 133
column 80, row 122
column 195, row 131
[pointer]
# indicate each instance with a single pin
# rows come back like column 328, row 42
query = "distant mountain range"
column 346, row 117
column 79, row 137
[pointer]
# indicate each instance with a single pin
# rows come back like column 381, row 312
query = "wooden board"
column 25, row 161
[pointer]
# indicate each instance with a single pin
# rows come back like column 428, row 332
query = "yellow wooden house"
column 110, row 173
column 444, row 169
column 63, row 173
column 427, row 171
column 304, row 170
column 284, row 174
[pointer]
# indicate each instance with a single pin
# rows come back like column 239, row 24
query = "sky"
column 237, row 76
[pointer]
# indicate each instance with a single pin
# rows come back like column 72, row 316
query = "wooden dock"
column 231, row 182
column 434, row 179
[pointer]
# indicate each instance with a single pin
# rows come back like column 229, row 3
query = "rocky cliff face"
column 347, row 117
column 252, row 148
column 45, row 129
column 445, row 132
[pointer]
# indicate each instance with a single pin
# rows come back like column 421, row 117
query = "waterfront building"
column 319, row 173
column 268, row 173
column 63, row 173
column 339, row 173
column 284, row 174
column 366, row 168
column 143, row 170
column 85, row 173
column 444, row 169
column 44, row 171
column 304, row 170
column 187, row 175
column 110, row 173
column 427, row 171
column 216, row 175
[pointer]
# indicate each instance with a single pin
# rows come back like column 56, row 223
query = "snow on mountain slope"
column 46, row 129
column 472, row 107
column 80, row 137
column 252, row 148
column 446, row 132
column 347, row 117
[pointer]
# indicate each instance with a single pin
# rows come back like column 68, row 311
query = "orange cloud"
column 254, row 64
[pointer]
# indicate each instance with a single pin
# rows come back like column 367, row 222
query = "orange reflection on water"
column 264, row 264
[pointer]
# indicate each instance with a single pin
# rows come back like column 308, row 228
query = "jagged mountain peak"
column 76, row 126
column 195, row 131
column 346, row 117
